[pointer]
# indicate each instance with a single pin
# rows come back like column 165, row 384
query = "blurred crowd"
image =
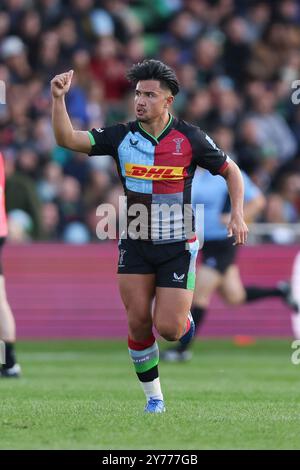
column 237, row 62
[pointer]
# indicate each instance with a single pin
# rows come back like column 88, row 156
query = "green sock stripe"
column 144, row 367
column 145, row 359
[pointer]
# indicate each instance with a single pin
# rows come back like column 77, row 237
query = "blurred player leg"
column 231, row 288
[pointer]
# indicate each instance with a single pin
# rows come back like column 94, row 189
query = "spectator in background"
column 260, row 163
column 69, row 203
column 21, row 194
column 15, row 57
column 284, row 202
column 237, row 46
column 207, row 55
column 50, row 221
column 107, row 66
column 227, row 103
column 198, row 107
column 272, row 129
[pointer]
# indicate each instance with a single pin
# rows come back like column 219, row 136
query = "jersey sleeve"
column 106, row 141
column 207, row 154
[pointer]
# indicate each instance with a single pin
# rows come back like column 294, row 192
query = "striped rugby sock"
column 187, row 326
column 145, row 357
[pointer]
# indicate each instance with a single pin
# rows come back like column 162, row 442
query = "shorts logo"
column 149, row 172
column 178, row 278
column 121, row 258
column 178, row 141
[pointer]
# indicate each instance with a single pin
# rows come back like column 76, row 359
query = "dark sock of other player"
column 10, row 355
column 254, row 293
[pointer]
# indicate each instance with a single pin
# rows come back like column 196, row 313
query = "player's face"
column 151, row 101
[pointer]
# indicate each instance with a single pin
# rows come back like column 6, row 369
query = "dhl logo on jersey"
column 149, row 172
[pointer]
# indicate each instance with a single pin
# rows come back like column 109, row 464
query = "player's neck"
column 157, row 126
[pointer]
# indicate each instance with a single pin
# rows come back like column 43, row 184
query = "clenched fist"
column 61, row 83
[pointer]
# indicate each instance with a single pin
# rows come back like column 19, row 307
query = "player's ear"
column 169, row 101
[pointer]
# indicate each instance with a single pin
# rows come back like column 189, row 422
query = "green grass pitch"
column 84, row 395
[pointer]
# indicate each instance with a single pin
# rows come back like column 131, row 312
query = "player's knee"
column 138, row 327
column 170, row 332
column 201, row 303
column 234, row 298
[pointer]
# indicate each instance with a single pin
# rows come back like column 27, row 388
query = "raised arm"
column 235, row 184
column 65, row 135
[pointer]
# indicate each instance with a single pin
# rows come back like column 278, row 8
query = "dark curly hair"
column 154, row 70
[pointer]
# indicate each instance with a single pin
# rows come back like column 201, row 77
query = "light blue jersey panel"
column 212, row 192
column 138, row 150
column 251, row 190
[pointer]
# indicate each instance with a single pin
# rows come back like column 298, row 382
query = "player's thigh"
column 171, row 309
column 175, row 282
column 207, row 281
column 232, row 289
column 137, row 292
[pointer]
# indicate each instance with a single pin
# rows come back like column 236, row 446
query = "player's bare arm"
column 237, row 226
column 64, row 133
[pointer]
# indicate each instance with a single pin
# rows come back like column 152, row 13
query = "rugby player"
column 156, row 157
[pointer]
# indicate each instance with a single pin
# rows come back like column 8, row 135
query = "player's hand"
column 238, row 229
column 61, row 83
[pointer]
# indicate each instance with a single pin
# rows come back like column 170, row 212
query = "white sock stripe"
column 134, row 353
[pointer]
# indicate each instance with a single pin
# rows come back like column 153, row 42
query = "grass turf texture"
column 84, row 395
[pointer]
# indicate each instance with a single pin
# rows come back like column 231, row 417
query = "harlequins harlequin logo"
column 121, row 259
column 178, row 141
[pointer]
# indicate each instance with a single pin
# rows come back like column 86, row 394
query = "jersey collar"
column 156, row 140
